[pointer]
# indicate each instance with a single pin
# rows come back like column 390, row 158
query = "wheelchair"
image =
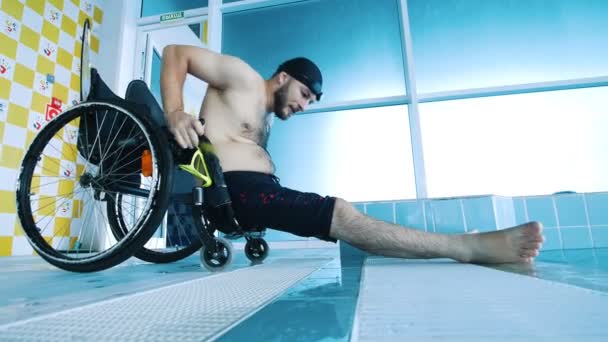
column 111, row 162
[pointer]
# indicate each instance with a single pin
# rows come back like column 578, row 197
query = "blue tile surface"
column 479, row 213
column 552, row 239
column 520, row 211
column 349, row 250
column 597, row 204
column 571, row 210
column 577, row 237
column 600, row 236
column 381, row 211
column 360, row 207
column 410, row 214
column 505, row 211
column 447, row 215
column 428, row 215
column 541, row 209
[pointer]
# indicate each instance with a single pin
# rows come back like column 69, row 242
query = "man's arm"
column 218, row 71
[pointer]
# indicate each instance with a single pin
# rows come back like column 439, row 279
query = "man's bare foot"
column 516, row 244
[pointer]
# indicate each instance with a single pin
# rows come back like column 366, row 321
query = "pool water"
column 587, row 268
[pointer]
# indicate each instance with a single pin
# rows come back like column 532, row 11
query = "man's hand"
column 186, row 128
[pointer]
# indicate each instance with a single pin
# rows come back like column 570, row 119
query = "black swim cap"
column 305, row 71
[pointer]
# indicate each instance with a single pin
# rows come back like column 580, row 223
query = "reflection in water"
column 586, row 268
column 318, row 309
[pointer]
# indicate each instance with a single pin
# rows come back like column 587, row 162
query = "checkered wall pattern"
column 39, row 78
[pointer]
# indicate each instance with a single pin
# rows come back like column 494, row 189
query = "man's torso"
column 236, row 124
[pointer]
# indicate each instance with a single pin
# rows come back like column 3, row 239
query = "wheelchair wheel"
column 84, row 157
column 218, row 261
column 179, row 240
column 256, row 249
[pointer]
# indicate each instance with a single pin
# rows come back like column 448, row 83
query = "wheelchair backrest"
column 138, row 92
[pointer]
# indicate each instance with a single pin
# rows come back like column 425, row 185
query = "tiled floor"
column 317, row 306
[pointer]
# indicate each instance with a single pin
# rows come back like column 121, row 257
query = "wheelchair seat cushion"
column 259, row 201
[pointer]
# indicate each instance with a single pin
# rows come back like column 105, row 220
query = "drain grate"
column 446, row 301
column 192, row 311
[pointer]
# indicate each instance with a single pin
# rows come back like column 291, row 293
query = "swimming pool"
column 442, row 296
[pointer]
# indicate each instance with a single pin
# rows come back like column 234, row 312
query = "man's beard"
column 280, row 101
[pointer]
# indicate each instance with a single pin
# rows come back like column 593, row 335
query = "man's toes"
column 529, row 253
column 525, row 259
column 531, row 245
column 534, row 228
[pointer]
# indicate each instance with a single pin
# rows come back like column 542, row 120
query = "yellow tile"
column 35, row 185
column 79, row 169
column 18, row 230
column 45, row 66
column 75, row 82
column 2, row 130
column 81, row 18
column 29, row 38
column 50, row 166
column 39, row 102
column 95, row 44
column 18, row 115
column 75, row 123
column 98, row 15
column 73, row 240
column 68, row 26
column 30, row 137
column 46, row 206
column 77, row 47
column 6, row 245
column 36, row 5
column 57, row 3
column 61, row 92
column 66, row 187
column 69, row 152
column 8, row 46
column 77, row 209
column 5, row 88
column 24, row 76
column 62, row 227
column 7, row 201
column 11, row 158
column 64, row 58
column 13, row 8
column 50, row 32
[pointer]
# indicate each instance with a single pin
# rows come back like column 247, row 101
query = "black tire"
column 185, row 244
column 219, row 261
column 95, row 182
column 256, row 249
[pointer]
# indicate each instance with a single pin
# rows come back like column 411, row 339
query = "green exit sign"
column 171, row 16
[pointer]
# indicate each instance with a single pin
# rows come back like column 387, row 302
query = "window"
column 523, row 144
column 359, row 155
column 462, row 44
column 355, row 43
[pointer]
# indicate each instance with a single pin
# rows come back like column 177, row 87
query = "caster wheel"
column 218, row 261
column 256, row 249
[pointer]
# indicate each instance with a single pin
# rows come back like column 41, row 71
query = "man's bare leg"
column 517, row 244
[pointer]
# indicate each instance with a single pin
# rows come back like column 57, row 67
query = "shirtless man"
column 237, row 107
